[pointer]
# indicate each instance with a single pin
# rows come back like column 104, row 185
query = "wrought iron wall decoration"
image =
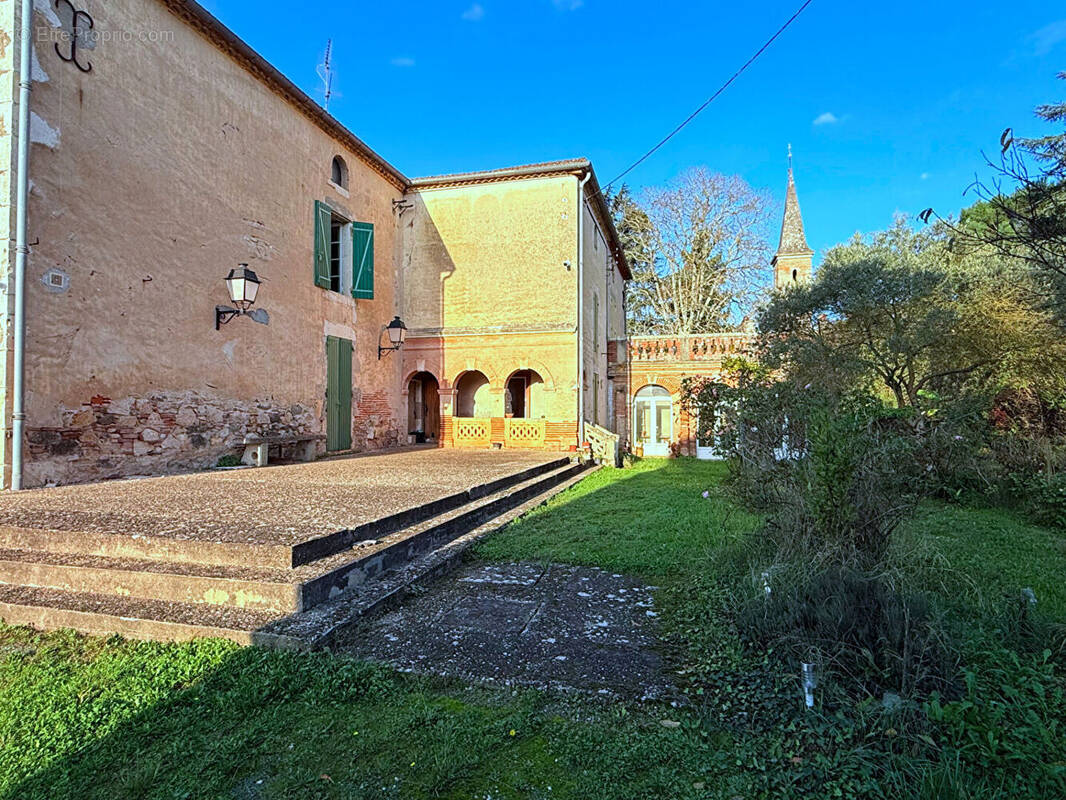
column 77, row 16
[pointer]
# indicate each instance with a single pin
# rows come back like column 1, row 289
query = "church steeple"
column 793, row 261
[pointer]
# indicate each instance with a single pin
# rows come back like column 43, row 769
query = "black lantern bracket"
column 224, row 314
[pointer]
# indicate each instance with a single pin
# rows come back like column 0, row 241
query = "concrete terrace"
column 276, row 505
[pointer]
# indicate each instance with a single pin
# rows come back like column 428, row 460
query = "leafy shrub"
column 228, row 460
column 1025, row 629
column 856, row 626
column 1028, row 455
column 954, row 447
column 837, row 476
column 1028, row 413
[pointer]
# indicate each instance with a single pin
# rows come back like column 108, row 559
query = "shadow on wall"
column 425, row 266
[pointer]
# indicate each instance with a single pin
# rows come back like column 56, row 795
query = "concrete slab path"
column 546, row 626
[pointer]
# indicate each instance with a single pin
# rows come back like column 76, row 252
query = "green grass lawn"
column 650, row 521
column 983, row 555
column 83, row 717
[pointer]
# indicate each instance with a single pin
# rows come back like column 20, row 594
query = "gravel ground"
column 284, row 504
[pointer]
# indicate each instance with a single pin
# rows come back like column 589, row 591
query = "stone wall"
column 160, row 432
column 374, row 425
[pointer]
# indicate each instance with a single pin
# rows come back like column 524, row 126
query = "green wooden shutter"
column 323, row 219
column 363, row 260
column 338, row 393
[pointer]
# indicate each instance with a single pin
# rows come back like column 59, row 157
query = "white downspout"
column 22, row 249
column 581, row 308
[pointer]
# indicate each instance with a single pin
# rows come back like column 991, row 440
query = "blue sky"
column 887, row 105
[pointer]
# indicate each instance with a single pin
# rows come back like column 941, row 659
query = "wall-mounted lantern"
column 397, row 331
column 243, row 286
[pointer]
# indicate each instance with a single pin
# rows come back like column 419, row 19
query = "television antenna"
column 325, row 74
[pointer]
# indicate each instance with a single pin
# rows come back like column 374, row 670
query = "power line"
column 710, row 99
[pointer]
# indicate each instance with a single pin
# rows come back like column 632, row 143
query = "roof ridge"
column 558, row 165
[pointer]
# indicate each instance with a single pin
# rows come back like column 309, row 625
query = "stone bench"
column 257, row 448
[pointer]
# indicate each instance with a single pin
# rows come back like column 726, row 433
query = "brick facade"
column 667, row 361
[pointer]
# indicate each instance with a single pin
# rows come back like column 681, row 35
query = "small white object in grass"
column 706, row 494
column 810, row 682
column 766, row 584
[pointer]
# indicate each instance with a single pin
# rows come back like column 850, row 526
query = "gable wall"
column 153, row 175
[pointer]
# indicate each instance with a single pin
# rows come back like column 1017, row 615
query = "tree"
column 697, row 249
column 1021, row 213
column 902, row 313
column 1051, row 148
column 637, row 236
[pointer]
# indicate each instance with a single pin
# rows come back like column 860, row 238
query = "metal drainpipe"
column 22, row 248
column 581, row 308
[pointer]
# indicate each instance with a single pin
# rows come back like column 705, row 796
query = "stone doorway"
column 423, row 408
column 523, row 395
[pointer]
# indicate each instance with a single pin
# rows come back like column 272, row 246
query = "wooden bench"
column 257, row 448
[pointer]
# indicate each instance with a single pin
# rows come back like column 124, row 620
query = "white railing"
column 604, row 444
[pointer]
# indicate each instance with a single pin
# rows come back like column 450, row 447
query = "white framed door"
column 653, row 420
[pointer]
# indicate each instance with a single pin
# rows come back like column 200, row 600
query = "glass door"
column 653, row 425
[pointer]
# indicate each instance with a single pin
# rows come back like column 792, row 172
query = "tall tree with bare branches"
column 1021, row 208
column 698, row 250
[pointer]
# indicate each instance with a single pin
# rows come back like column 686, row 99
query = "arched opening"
column 795, row 275
column 339, row 172
column 653, row 420
column 423, row 407
column 472, row 395
column 523, row 395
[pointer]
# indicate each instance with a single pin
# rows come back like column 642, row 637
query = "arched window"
column 795, row 274
column 339, row 172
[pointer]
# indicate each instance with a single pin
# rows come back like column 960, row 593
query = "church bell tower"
column 793, row 260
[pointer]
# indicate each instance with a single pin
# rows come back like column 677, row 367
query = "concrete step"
column 327, row 545
column 269, row 588
column 145, row 598
column 327, row 578
column 320, row 626
column 50, row 609
column 153, row 548
column 237, row 587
